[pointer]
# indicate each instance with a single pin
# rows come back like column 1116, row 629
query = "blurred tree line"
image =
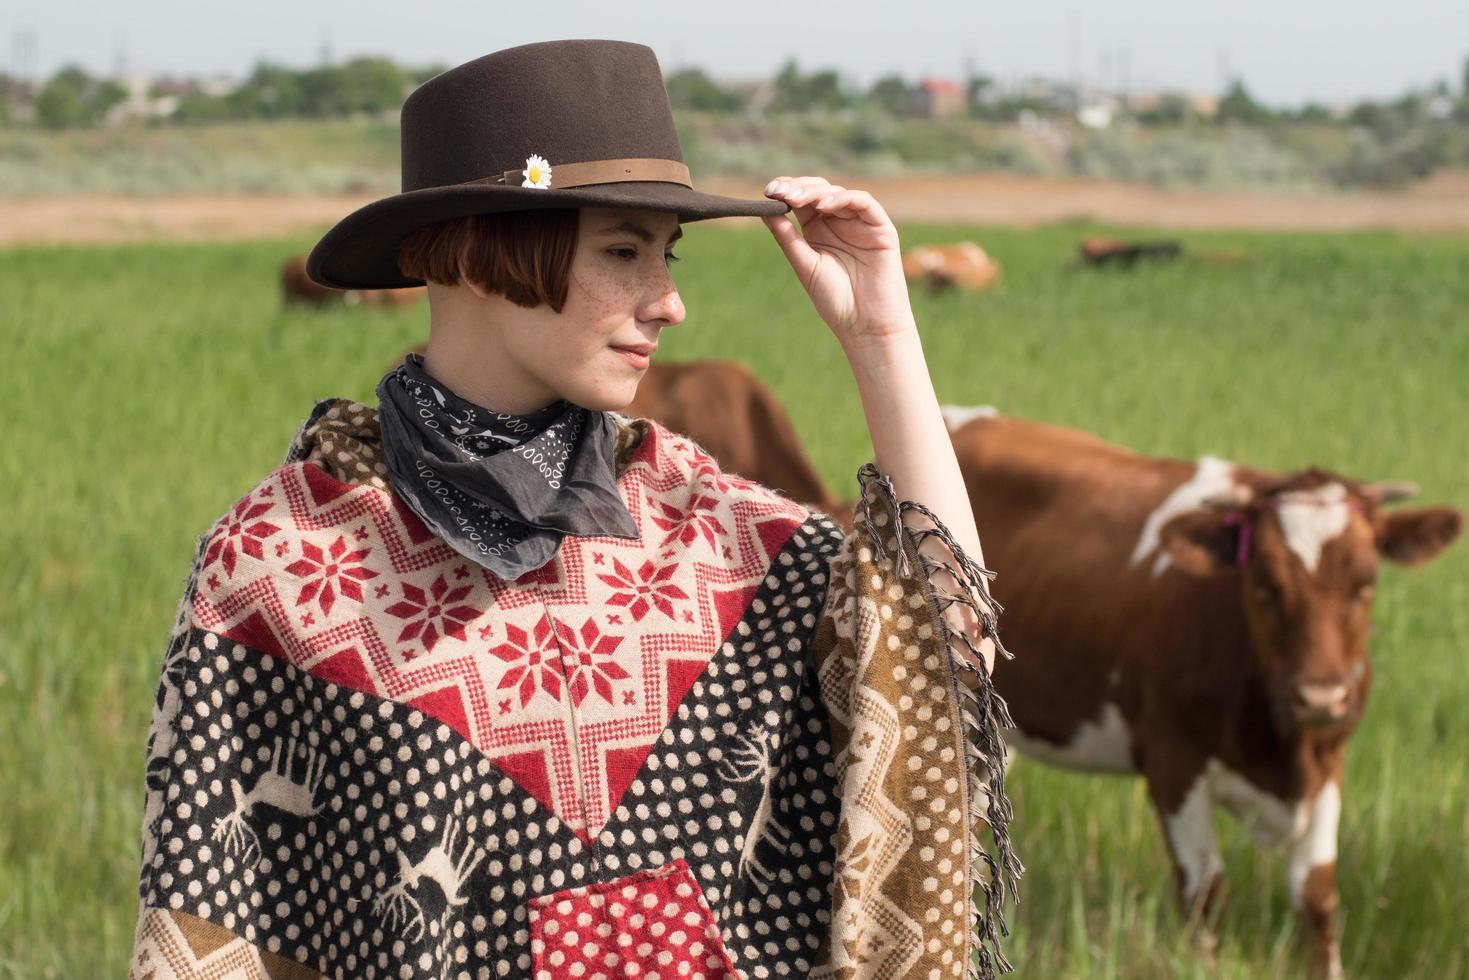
column 896, row 118
column 362, row 85
column 71, row 97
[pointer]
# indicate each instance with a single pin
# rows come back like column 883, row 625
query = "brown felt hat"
column 556, row 124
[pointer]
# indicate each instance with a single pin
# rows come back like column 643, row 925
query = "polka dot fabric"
column 363, row 837
column 345, row 831
column 742, row 783
column 653, row 924
column 798, row 809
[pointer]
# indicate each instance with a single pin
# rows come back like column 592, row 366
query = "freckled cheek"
column 607, row 302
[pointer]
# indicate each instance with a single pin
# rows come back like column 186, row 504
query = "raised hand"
column 847, row 258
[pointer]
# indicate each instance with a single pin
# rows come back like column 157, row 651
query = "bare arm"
column 846, row 255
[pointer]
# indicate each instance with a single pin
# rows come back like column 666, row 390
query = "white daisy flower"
column 537, row 172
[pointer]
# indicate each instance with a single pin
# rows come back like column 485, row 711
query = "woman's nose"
column 668, row 307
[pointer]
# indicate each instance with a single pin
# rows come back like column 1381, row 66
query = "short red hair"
column 523, row 255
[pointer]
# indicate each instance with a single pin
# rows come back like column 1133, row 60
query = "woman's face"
column 620, row 297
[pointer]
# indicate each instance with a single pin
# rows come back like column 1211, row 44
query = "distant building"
column 939, row 97
column 1198, row 104
column 142, row 103
column 174, row 86
column 1204, row 105
column 1096, row 111
column 1142, row 102
column 19, row 97
column 218, row 86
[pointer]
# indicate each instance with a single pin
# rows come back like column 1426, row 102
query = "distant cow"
column 735, row 418
column 963, row 265
column 1112, row 251
column 297, row 288
column 1201, row 624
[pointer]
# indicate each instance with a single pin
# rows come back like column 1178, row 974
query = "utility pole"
column 25, row 49
column 1073, row 52
column 119, row 56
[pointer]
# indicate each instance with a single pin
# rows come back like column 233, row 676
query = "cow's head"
column 1306, row 549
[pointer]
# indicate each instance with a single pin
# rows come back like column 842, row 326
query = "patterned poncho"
column 741, row 745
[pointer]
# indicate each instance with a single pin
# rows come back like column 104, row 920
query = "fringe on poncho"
column 743, row 745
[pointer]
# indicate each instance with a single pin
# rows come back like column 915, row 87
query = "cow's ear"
column 1200, row 542
column 1413, row 537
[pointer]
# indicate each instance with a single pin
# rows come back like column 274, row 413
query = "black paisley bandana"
column 501, row 489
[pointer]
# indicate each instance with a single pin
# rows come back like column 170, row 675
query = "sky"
column 1287, row 51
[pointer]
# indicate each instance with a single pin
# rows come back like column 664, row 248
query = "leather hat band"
column 581, row 174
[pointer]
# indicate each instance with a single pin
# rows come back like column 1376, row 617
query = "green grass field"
column 146, row 387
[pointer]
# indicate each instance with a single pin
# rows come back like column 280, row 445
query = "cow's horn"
column 1236, row 496
column 1386, row 491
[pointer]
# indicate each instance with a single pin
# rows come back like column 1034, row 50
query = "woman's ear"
column 463, row 276
column 475, row 287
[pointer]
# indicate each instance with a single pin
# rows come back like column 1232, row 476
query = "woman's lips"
column 638, row 355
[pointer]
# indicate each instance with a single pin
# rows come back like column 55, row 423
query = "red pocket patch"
column 653, row 924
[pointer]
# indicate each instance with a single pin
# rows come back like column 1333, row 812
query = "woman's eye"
column 631, row 254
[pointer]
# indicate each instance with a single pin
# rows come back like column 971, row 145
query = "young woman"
column 490, row 680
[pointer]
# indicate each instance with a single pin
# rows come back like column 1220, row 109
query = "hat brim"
column 361, row 250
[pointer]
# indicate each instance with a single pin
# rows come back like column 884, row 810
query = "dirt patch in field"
column 1440, row 204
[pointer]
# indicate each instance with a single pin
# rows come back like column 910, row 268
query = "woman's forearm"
column 911, row 446
column 847, row 258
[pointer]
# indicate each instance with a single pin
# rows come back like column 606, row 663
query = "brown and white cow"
column 1201, row 624
column 1116, row 252
column 297, row 288
column 735, row 418
column 960, row 265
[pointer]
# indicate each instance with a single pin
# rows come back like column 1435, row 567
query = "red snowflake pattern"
column 336, row 571
column 432, row 618
column 650, row 585
column 540, row 669
column 590, row 655
column 685, row 527
column 712, row 479
column 236, row 529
